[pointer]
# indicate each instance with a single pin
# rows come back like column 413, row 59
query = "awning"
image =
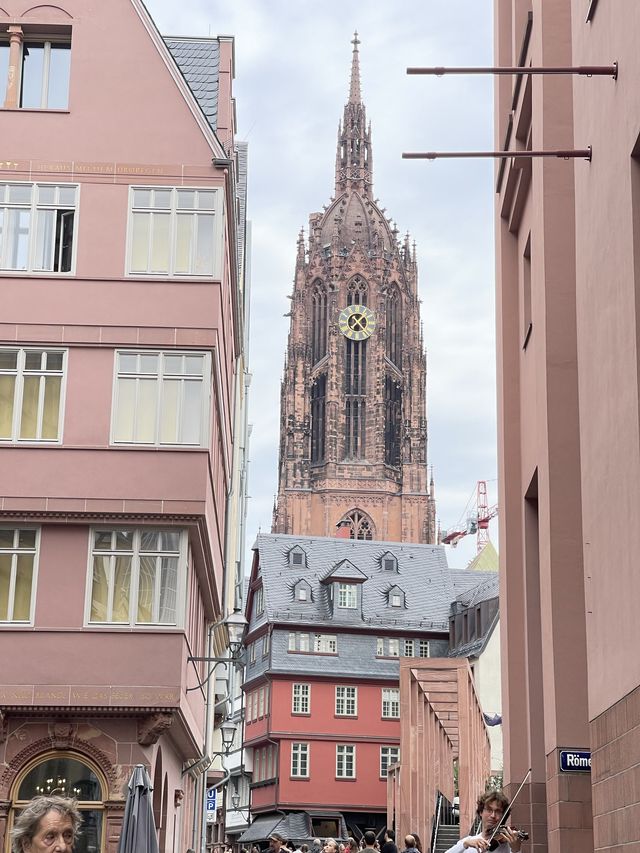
column 296, row 826
column 261, row 828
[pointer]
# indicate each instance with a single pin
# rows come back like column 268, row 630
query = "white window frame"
column 161, row 377
column 390, row 703
column 261, row 702
column 325, row 644
column 424, row 646
column 343, row 752
column 348, row 595
column 218, row 212
column 379, row 647
column 300, row 752
column 346, row 701
column 266, row 645
column 393, row 647
column 395, row 599
column 386, row 759
column 409, row 648
column 252, row 653
column 136, row 552
column 259, row 605
column 34, row 207
column 300, row 698
column 302, row 593
column 20, row 373
column 15, row 551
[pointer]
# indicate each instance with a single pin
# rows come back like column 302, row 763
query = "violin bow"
column 503, row 820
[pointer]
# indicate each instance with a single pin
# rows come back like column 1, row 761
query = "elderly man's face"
column 54, row 835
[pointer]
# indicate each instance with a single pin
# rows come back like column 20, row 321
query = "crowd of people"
column 369, row 841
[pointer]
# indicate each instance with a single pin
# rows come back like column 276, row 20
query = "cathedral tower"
column 353, row 440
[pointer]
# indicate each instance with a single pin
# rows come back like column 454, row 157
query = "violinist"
column 491, row 807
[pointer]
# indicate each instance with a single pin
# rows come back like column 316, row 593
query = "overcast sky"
column 293, row 59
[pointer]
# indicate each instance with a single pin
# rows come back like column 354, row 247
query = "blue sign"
column 211, row 799
column 575, row 761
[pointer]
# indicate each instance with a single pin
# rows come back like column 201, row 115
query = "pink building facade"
column 567, row 281
column 120, row 331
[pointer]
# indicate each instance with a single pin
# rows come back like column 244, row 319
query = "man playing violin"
column 491, row 808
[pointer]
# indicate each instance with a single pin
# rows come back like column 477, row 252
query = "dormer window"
column 302, row 591
column 389, row 563
column 395, row 597
column 297, row 557
column 347, row 595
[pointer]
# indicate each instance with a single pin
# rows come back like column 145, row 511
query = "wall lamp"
column 235, row 624
column 227, row 731
column 235, row 805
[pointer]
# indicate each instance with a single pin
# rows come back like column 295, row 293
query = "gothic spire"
column 354, row 89
column 354, row 163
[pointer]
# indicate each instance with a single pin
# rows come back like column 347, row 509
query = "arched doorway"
column 68, row 775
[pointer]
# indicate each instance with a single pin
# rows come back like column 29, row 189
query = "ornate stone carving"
column 152, row 726
column 4, row 726
column 62, row 734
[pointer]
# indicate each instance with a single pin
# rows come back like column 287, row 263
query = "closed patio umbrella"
column 138, row 827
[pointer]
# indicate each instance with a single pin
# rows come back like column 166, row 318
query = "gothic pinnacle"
column 355, row 96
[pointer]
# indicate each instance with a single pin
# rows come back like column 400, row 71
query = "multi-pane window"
column 301, row 699
column 347, row 595
column 266, row 645
column 161, row 398
column 37, row 227
column 346, row 701
column 136, row 576
column 252, row 653
column 31, row 382
column 423, row 648
column 261, row 702
column 393, row 648
column 44, row 79
column 388, row 755
column 325, row 643
column 18, row 549
column 345, row 761
column 259, row 601
column 300, row 759
column 380, row 647
column 391, row 702
column 173, row 231
column 409, row 648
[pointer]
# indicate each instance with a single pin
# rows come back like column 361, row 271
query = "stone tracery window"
column 357, row 291
column 318, row 322
column 359, row 524
column 318, row 399
column 394, row 326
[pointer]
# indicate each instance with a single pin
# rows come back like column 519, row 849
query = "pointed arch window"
column 359, row 524
column 357, row 291
column 393, row 421
column 318, row 401
column 394, row 325
column 318, row 322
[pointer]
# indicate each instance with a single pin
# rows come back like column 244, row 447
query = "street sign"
column 212, row 802
column 575, row 761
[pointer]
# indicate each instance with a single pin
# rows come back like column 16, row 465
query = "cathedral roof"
column 354, row 219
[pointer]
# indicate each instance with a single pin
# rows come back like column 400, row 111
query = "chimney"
column 343, row 530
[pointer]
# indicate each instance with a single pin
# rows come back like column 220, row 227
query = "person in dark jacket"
column 389, row 845
column 410, row 844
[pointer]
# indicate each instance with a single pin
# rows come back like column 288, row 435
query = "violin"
column 497, row 839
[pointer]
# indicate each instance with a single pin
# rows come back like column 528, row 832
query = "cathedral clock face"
column 357, row 322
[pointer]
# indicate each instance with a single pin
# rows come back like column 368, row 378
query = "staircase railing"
column 444, row 816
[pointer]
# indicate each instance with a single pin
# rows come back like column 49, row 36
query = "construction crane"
column 476, row 523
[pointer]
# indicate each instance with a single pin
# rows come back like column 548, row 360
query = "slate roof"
column 475, row 647
column 199, row 61
column 423, row 575
column 485, row 590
